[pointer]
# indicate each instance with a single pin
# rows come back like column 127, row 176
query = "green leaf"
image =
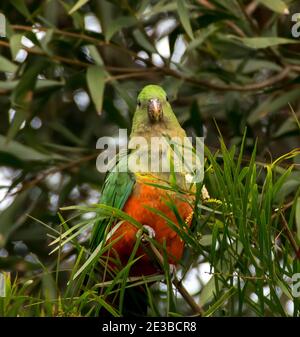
column 20, row 5
column 118, row 24
column 207, row 292
column 19, row 117
column 277, row 6
column 6, row 65
column 206, row 240
column 232, row 6
column 94, row 53
column 96, row 81
column 263, row 42
column 289, row 125
column 22, row 96
column 143, row 41
column 21, row 151
column 40, row 84
column 272, row 105
column 297, row 216
column 46, row 41
column 14, row 216
column 15, row 45
column 184, row 18
column 202, row 36
column 220, row 302
column 78, row 4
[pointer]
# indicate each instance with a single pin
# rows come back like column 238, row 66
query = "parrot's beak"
column 155, row 110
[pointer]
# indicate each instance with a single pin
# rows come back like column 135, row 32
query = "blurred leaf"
column 78, row 4
column 21, row 7
column 202, row 36
column 14, row 216
column 95, row 55
column 118, row 24
column 19, row 118
column 22, row 96
column 7, row 66
column 27, row 82
column 45, row 42
column 15, row 44
column 276, row 5
column 41, row 84
column 65, row 132
column 263, row 42
column 232, row 6
column 297, row 216
column 95, row 79
column 207, row 292
column 286, row 127
column 123, row 92
column 220, row 301
column 206, row 240
column 183, row 14
column 22, row 151
column 143, row 41
column 49, row 287
column 271, row 105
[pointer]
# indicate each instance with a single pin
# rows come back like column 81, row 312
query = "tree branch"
column 137, row 72
column 178, row 284
column 290, row 236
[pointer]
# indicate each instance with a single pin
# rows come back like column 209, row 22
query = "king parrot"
column 138, row 193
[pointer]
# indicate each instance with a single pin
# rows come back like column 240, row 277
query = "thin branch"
column 250, row 9
column 77, row 62
column 231, row 24
column 167, row 71
column 81, row 36
column 233, row 87
column 178, row 284
column 53, row 170
column 290, row 236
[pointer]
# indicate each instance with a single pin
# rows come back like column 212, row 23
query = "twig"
column 165, row 70
column 290, row 236
column 81, row 36
column 53, row 170
column 247, row 87
column 251, row 7
column 240, row 276
column 232, row 25
column 283, row 209
column 178, row 284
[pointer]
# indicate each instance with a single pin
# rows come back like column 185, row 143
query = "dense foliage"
column 70, row 72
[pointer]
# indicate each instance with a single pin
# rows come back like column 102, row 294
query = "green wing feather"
column 117, row 187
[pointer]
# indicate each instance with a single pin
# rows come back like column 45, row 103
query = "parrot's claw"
column 150, row 231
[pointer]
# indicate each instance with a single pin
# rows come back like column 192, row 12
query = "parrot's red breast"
column 146, row 195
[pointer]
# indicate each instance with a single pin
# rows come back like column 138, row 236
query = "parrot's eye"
column 167, row 98
column 139, row 103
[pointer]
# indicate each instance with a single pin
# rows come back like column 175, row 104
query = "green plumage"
column 115, row 192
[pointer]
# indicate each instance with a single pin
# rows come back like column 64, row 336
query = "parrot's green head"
column 152, row 100
column 153, row 115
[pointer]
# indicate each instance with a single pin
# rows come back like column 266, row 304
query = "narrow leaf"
column 95, row 81
column 78, row 4
column 6, row 65
column 277, row 6
column 20, row 5
column 264, row 42
column 184, row 17
column 15, row 44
